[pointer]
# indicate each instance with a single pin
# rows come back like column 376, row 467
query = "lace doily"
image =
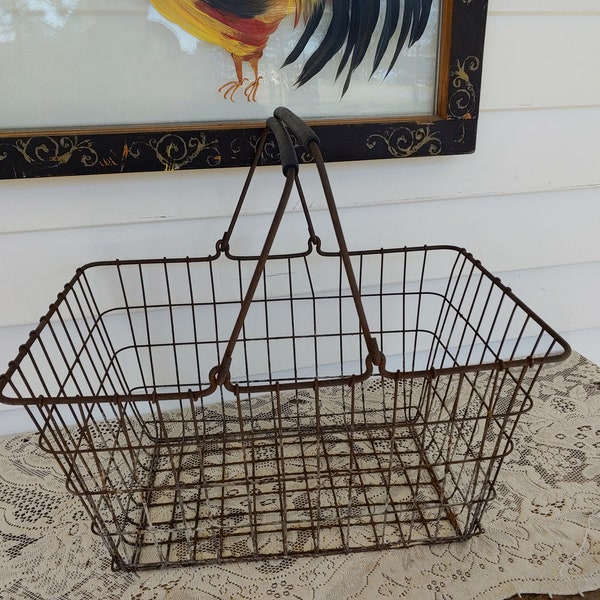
column 542, row 533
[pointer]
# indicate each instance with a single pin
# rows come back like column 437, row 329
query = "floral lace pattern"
column 542, row 533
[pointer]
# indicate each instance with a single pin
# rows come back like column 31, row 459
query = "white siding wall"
column 527, row 203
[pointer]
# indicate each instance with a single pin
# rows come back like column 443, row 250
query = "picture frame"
column 110, row 149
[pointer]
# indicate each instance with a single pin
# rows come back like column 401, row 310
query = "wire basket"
column 242, row 407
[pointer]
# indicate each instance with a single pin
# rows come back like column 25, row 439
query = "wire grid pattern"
column 304, row 449
column 338, row 469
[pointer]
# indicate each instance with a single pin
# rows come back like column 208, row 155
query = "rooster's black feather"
column 352, row 25
column 425, row 10
column 390, row 24
column 334, row 39
column 367, row 25
column 311, row 27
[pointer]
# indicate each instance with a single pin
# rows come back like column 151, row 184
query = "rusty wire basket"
column 242, row 407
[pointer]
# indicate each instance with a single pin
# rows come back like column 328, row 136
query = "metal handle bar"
column 290, row 169
column 308, row 137
column 221, row 373
column 289, row 162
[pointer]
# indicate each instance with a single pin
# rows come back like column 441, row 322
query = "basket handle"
column 287, row 152
column 290, row 171
column 289, row 163
column 297, row 126
column 310, row 139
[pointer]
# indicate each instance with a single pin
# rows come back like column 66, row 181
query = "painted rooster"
column 243, row 27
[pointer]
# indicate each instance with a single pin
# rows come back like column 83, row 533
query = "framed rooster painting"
column 143, row 85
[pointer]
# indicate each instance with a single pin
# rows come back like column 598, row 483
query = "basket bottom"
column 262, row 496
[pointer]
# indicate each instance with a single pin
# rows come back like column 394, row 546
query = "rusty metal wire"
column 242, row 407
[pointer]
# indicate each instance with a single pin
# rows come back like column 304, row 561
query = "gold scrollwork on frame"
column 56, row 151
column 250, row 143
column 403, row 142
column 462, row 99
column 174, row 152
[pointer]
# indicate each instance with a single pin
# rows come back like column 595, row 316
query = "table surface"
column 586, row 596
column 542, row 532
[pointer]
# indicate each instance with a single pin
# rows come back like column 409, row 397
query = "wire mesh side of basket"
column 118, row 379
column 376, row 465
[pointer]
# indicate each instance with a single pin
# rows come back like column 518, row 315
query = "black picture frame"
column 168, row 147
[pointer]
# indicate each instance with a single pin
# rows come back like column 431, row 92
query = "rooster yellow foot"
column 252, row 89
column 230, row 88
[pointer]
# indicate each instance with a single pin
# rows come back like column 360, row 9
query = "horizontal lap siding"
column 527, row 203
column 507, row 233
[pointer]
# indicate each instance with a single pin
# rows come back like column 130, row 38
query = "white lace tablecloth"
column 542, row 533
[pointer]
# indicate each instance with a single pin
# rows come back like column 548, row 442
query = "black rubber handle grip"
column 298, row 127
column 287, row 152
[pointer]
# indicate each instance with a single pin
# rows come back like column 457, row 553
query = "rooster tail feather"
column 353, row 33
column 334, row 39
column 311, row 25
column 352, row 27
column 404, row 31
column 390, row 24
column 367, row 26
column 421, row 23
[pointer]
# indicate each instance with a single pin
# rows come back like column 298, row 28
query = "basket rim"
column 563, row 349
